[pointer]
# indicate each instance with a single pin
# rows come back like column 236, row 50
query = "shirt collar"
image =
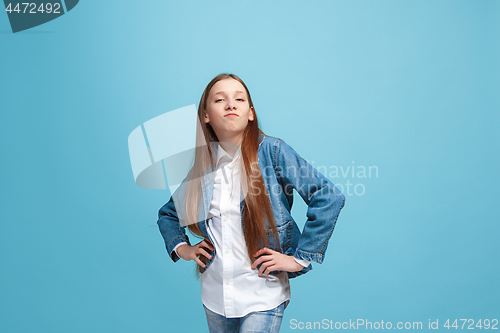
column 222, row 153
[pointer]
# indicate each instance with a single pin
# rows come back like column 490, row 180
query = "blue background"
column 410, row 87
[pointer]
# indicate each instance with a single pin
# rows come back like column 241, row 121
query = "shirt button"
column 228, row 282
column 224, row 218
column 227, row 251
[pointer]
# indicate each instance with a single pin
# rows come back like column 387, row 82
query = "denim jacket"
column 283, row 170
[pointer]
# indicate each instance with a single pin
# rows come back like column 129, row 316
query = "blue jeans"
column 255, row 322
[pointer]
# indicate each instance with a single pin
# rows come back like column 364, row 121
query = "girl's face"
column 228, row 110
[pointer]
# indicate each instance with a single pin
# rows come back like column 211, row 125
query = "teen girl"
column 237, row 197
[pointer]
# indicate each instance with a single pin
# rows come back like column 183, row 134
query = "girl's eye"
column 217, row 100
column 240, row 99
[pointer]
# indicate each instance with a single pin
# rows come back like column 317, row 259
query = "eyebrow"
column 237, row 91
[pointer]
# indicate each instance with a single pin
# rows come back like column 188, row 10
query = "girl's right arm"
column 174, row 234
column 170, row 228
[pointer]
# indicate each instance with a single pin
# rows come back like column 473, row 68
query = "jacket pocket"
column 284, row 235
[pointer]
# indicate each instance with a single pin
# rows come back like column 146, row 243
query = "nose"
column 230, row 105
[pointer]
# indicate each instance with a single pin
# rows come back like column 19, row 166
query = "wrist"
column 294, row 265
column 298, row 267
column 180, row 250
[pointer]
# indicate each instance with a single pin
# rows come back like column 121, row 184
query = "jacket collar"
column 261, row 139
column 219, row 153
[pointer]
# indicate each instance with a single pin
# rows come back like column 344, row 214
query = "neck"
column 231, row 142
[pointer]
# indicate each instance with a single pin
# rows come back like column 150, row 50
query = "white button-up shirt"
column 229, row 286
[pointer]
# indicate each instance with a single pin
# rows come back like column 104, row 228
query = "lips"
column 231, row 115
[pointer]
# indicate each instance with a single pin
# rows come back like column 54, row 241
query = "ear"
column 251, row 115
column 206, row 120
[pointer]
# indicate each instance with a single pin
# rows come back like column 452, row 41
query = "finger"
column 261, row 251
column 205, row 253
column 268, row 270
column 264, row 266
column 264, row 250
column 199, row 262
column 262, row 259
column 273, row 267
column 257, row 262
column 207, row 243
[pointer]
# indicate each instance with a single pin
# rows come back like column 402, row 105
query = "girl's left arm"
column 324, row 200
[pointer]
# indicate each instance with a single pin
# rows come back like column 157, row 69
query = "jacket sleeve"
column 170, row 228
column 324, row 201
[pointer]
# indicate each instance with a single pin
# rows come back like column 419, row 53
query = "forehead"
column 227, row 86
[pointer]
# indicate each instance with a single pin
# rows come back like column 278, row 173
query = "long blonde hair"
column 257, row 206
